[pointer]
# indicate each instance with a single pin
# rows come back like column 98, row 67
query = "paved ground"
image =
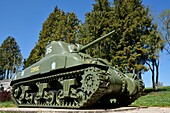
column 147, row 110
column 117, row 110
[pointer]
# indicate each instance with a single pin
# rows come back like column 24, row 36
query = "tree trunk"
column 153, row 74
column 157, row 73
column 7, row 74
column 140, row 75
column 153, row 80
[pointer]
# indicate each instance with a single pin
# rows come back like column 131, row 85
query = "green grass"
column 7, row 104
column 159, row 98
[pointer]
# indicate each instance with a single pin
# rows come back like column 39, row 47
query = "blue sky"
column 23, row 20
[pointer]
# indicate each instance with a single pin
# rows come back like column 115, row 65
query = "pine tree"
column 11, row 57
column 97, row 24
column 2, row 63
column 58, row 26
column 134, row 25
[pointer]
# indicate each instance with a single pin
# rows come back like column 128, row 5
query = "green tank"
column 67, row 77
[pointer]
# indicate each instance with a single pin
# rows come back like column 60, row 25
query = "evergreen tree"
column 58, row 26
column 134, row 26
column 140, row 41
column 2, row 63
column 130, row 48
column 11, row 57
column 98, row 23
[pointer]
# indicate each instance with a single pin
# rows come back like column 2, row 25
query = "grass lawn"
column 154, row 98
column 159, row 98
column 7, row 104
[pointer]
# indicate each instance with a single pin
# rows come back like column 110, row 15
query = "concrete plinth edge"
column 46, row 110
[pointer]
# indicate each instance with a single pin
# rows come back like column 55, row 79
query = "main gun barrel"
column 96, row 41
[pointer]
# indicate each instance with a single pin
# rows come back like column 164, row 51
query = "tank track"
column 89, row 85
column 126, row 100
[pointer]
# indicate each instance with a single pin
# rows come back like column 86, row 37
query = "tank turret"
column 69, row 78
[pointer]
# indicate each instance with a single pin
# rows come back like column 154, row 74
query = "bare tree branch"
column 167, row 50
column 149, row 66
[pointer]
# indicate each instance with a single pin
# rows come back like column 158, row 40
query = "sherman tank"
column 67, row 77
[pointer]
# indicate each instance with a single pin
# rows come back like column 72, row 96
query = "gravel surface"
column 117, row 110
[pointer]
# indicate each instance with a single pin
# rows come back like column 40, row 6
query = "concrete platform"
column 116, row 110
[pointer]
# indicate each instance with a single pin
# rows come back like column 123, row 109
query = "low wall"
column 5, row 84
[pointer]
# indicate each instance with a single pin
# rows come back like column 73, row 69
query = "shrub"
column 5, row 96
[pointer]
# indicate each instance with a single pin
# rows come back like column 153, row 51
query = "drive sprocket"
column 90, row 81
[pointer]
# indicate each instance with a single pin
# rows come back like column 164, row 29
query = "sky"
column 23, row 20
